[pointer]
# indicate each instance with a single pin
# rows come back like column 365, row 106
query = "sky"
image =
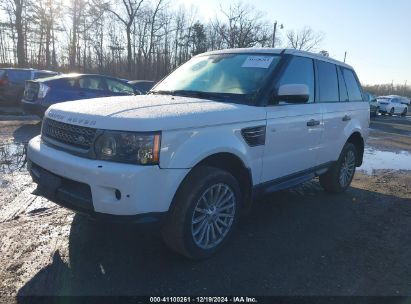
column 376, row 34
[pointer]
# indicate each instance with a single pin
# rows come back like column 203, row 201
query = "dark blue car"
column 42, row 93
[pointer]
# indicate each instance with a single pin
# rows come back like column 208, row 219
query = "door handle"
column 312, row 123
column 346, row 118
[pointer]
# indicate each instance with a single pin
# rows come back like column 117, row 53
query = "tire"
column 331, row 181
column 190, row 214
column 392, row 112
column 377, row 111
column 404, row 113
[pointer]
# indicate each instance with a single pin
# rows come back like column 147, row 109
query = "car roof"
column 140, row 81
column 277, row 51
column 73, row 75
column 25, row 69
column 397, row 96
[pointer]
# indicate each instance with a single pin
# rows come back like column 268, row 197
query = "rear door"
column 341, row 99
column 293, row 130
column 334, row 104
column 91, row 87
column 399, row 107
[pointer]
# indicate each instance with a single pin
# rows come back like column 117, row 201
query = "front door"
column 293, row 130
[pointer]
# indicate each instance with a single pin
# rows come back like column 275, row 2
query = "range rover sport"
column 193, row 154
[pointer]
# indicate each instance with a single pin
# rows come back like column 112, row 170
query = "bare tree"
column 134, row 39
column 244, row 26
column 16, row 12
column 130, row 9
column 305, row 39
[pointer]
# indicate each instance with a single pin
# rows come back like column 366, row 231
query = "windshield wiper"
column 199, row 94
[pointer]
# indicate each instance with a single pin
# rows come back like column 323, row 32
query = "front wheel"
column 340, row 174
column 392, row 112
column 404, row 113
column 204, row 213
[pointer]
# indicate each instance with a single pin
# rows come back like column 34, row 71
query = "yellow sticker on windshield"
column 262, row 62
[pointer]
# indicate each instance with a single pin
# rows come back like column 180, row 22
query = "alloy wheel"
column 347, row 169
column 213, row 216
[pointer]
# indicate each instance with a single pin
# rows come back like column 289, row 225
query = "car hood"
column 152, row 113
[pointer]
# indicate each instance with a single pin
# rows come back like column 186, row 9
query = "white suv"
column 222, row 129
column 392, row 105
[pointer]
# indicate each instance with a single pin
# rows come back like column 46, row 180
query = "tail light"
column 43, row 90
column 4, row 81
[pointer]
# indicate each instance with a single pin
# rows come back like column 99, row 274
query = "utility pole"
column 345, row 56
column 275, row 29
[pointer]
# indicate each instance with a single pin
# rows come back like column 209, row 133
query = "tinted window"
column 18, row 76
column 327, row 76
column 118, row 87
column 354, row 91
column 92, row 83
column 144, row 86
column 72, row 82
column 341, row 86
column 38, row 75
column 63, row 83
column 300, row 71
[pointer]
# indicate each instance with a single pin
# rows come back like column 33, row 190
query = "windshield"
column 224, row 75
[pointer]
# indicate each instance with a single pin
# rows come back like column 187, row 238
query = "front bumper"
column 32, row 108
column 77, row 197
column 101, row 187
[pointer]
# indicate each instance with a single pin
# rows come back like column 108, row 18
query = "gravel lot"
column 302, row 241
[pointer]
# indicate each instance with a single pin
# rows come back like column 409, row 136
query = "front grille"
column 72, row 135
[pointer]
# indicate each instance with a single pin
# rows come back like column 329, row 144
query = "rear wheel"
column 204, row 213
column 392, row 111
column 339, row 176
column 404, row 113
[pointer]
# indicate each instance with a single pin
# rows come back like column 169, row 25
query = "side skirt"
column 289, row 180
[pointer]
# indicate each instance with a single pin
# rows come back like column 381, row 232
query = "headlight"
column 128, row 147
column 43, row 90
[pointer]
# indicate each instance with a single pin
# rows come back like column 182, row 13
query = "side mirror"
column 137, row 92
column 293, row 93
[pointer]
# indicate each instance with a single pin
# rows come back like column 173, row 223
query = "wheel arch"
column 233, row 164
column 357, row 140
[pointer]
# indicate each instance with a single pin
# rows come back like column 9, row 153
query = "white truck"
column 222, row 129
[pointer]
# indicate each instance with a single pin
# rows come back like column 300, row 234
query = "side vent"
column 254, row 136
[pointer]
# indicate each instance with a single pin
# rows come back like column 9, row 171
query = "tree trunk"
column 73, row 47
column 21, row 56
column 129, row 50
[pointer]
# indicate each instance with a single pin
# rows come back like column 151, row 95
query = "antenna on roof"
column 345, row 56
